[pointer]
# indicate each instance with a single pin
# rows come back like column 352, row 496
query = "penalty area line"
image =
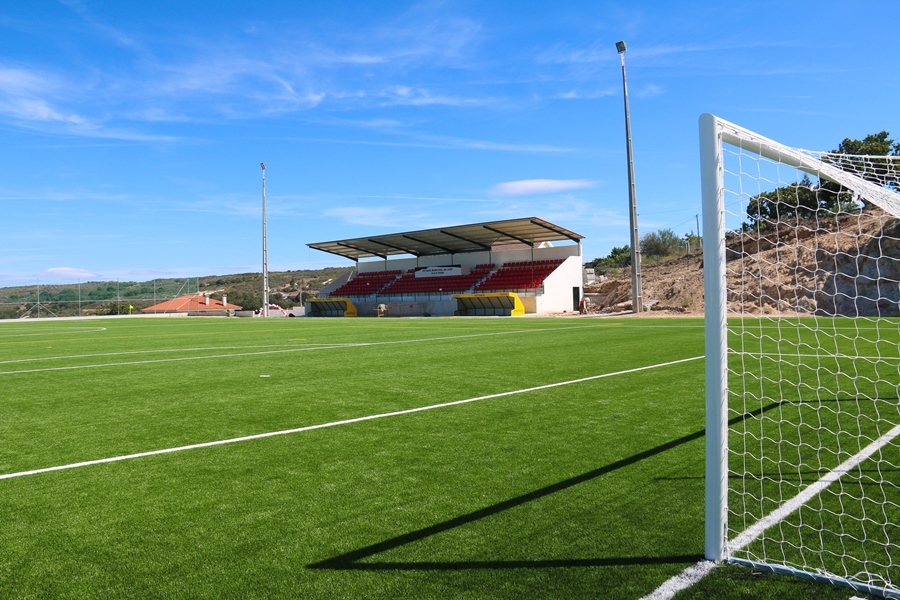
column 259, row 436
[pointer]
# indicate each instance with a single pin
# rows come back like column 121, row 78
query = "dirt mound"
column 849, row 265
column 672, row 286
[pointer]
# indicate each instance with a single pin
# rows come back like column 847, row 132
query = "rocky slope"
column 849, row 265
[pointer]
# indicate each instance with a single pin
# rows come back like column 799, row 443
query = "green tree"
column 9, row 312
column 805, row 199
column 798, row 200
column 246, row 300
column 874, row 144
column 660, row 243
column 616, row 259
column 68, row 295
column 866, row 158
column 693, row 241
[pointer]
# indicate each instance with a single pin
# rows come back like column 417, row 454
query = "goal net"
column 802, row 283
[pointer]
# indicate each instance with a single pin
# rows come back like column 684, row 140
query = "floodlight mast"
column 637, row 301
column 265, row 297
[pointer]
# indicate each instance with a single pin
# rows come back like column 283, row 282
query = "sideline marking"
column 15, row 332
column 297, row 346
column 687, row 578
column 694, row 573
column 293, row 349
column 269, row 434
column 754, row 531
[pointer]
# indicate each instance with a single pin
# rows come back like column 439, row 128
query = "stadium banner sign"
column 440, row 271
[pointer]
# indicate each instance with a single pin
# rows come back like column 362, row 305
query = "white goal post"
column 802, row 296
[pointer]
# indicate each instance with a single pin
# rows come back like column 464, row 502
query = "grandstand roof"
column 459, row 239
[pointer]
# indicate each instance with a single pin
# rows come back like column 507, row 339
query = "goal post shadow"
column 353, row 560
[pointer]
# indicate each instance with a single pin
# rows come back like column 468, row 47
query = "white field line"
column 285, row 351
column 696, row 572
column 687, row 578
column 167, row 351
column 754, row 531
column 398, row 413
column 167, row 360
column 15, row 333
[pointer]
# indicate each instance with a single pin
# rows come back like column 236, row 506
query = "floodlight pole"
column 637, row 295
column 265, row 296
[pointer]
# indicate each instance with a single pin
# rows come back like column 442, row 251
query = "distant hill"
column 112, row 297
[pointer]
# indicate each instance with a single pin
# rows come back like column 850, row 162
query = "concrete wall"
column 405, row 264
column 440, row 306
column 558, row 294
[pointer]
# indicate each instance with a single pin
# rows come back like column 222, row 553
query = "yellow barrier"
column 504, row 304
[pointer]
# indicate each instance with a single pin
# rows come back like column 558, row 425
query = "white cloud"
column 30, row 99
column 383, row 216
column 446, row 142
column 527, row 187
column 406, row 96
column 577, row 95
column 467, row 144
column 649, row 90
column 569, row 210
column 265, row 73
column 118, row 37
column 562, row 55
column 22, row 97
column 69, row 273
column 606, row 53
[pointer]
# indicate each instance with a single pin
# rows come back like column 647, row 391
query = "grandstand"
column 495, row 268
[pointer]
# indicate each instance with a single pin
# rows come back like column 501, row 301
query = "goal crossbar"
column 793, row 157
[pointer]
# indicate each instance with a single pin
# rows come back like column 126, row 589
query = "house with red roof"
column 193, row 304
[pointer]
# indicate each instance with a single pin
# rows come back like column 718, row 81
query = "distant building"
column 193, row 304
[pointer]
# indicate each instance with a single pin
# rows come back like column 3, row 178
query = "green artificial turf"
column 590, row 489
column 824, row 390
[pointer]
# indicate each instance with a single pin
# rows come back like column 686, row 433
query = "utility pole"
column 699, row 235
column 637, row 295
column 265, row 301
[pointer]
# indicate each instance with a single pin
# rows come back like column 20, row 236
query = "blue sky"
column 132, row 133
